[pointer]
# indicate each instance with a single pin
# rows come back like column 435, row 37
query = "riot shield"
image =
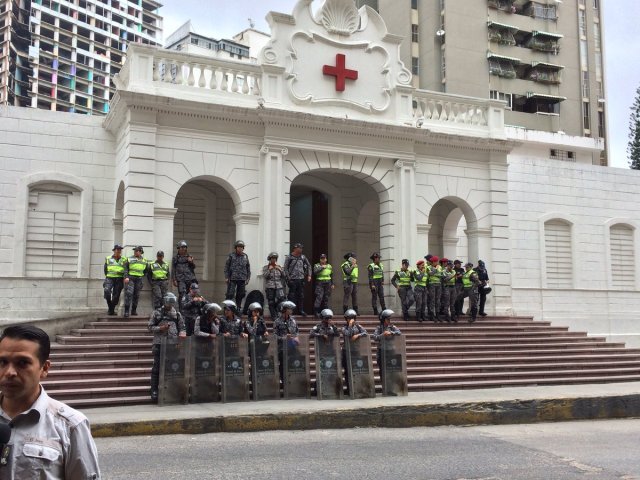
column 295, row 366
column 234, row 360
column 205, row 370
column 265, row 376
column 359, row 368
column 328, row 368
column 174, row 365
column 393, row 368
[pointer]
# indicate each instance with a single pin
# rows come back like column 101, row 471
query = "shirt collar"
column 36, row 411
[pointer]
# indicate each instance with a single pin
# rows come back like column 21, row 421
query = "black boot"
column 126, row 311
column 356, row 309
column 375, row 311
column 344, row 308
column 474, row 313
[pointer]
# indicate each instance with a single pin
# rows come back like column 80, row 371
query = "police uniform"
column 255, row 329
column 206, row 326
column 135, row 269
column 191, row 310
column 324, row 282
column 237, row 272
column 470, row 284
column 159, row 317
column 322, row 329
column 375, row 272
column 483, row 278
column 158, row 275
column 421, row 278
column 274, row 283
column 296, row 268
column 435, row 290
column 449, row 293
column 114, row 280
column 349, row 282
column 402, row 281
column 378, row 334
column 183, row 274
column 234, row 327
column 50, row 440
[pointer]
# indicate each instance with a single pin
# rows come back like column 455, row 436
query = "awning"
column 536, row 33
column 547, row 65
column 504, row 26
column 546, row 98
column 503, row 57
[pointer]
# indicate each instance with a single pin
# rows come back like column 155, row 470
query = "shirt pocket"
column 40, row 453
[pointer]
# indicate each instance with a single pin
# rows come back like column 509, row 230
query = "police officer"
column 326, row 328
column 231, row 325
column 208, row 324
column 352, row 329
column 483, row 289
column 470, row 284
column 158, row 276
column 274, row 283
column 435, row 289
column 323, row 272
column 255, row 327
column 237, row 273
column 183, row 271
column 375, row 273
column 135, row 269
column 384, row 329
column 114, row 278
column 350, row 281
column 296, row 268
column 401, row 280
column 449, row 292
column 421, row 278
column 457, row 267
column 192, row 308
column 164, row 322
column 286, row 330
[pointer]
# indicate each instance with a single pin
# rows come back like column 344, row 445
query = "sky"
column 224, row 18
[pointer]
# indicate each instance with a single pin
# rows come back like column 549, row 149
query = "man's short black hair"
column 33, row 334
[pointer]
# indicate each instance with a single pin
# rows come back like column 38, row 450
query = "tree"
column 633, row 147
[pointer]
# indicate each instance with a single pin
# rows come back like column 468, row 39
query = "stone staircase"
column 108, row 362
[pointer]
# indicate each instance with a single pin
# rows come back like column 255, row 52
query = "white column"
column 406, row 239
column 273, row 201
column 163, row 233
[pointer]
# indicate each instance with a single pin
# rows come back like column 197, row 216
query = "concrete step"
column 465, row 347
column 85, row 372
column 125, row 356
column 415, row 367
column 516, row 357
column 96, row 340
column 112, row 331
column 92, row 383
column 68, row 394
column 419, row 377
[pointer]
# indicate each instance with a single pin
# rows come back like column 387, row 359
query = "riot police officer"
column 274, row 283
column 237, row 273
column 208, row 324
column 183, row 271
column 231, row 325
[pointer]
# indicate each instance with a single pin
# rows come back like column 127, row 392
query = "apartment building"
column 61, row 55
column 544, row 58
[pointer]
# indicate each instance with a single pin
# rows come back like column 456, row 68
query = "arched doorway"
column 450, row 218
column 335, row 213
column 204, row 219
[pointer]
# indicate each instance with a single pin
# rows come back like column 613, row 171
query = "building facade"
column 320, row 143
column 544, row 58
column 62, row 55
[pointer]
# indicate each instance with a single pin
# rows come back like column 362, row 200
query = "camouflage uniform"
column 449, row 294
column 233, row 327
column 237, row 271
column 296, row 268
column 191, row 310
column 349, row 285
column 323, row 286
column 255, row 329
column 377, row 336
column 402, row 280
column 183, row 274
column 322, row 329
column 274, row 283
column 176, row 325
column 158, row 275
column 281, row 329
column 470, row 284
column 435, row 291
column 135, row 269
column 206, row 326
column 420, row 290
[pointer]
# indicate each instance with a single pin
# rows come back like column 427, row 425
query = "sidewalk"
column 452, row 407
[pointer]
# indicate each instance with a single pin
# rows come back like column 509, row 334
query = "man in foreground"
column 49, row 440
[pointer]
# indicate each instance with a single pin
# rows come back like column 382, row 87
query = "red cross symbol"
column 340, row 72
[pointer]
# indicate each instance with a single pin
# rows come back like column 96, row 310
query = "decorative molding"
column 247, row 218
column 167, row 213
column 405, row 164
column 479, row 232
column 423, row 229
column 267, row 148
column 116, row 222
column 339, row 16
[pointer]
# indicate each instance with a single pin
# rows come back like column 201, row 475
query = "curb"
column 427, row 415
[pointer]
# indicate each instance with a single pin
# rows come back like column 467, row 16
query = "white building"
column 292, row 154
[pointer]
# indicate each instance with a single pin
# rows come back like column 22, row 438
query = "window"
column 53, row 231
column 414, row 33
column 582, row 23
column 623, row 262
column 596, row 35
column 559, row 264
column 584, row 55
column 601, row 129
column 414, row 4
column 596, row 4
column 586, row 116
column 585, row 84
column 495, row 95
column 415, row 65
column 564, row 155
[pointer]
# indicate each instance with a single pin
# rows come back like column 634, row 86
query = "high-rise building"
column 61, row 54
column 544, row 58
column 184, row 39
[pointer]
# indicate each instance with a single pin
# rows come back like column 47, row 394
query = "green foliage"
column 633, row 147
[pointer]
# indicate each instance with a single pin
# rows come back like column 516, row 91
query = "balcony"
column 546, row 73
column 501, row 33
column 502, row 66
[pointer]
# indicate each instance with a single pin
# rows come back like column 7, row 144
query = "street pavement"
column 594, row 450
